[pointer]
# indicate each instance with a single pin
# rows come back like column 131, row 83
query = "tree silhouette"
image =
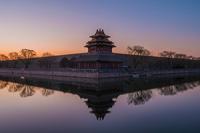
column 180, row 56
column 3, row 60
column 26, row 55
column 138, row 50
column 168, row 54
column 3, row 57
column 14, row 56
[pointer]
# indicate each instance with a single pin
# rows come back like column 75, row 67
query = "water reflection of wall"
column 139, row 91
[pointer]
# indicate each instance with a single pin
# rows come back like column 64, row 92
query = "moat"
column 167, row 104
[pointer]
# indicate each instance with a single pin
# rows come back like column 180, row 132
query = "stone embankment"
column 78, row 74
column 95, row 74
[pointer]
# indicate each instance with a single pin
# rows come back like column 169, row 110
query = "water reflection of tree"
column 139, row 97
column 24, row 90
column 142, row 96
column 15, row 87
column 3, row 84
column 174, row 89
column 168, row 90
column 27, row 91
column 46, row 92
column 31, row 90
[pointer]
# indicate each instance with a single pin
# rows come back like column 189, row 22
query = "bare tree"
column 168, row 54
column 180, row 56
column 146, row 52
column 13, row 56
column 3, row 60
column 3, row 57
column 47, row 54
column 26, row 55
column 138, row 50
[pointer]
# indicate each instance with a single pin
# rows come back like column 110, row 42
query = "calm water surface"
column 170, row 105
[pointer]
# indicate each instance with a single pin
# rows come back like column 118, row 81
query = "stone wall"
column 134, row 62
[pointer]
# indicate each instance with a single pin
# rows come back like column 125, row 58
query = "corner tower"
column 100, row 43
column 99, row 54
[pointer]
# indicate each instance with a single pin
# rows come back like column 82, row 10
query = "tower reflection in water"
column 139, row 91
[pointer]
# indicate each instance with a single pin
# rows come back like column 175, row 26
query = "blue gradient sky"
column 63, row 26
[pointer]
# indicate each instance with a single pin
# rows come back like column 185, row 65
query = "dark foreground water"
column 170, row 105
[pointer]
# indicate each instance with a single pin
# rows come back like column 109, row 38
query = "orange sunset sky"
column 64, row 26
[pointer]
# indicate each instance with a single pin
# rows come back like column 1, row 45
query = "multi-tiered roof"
column 99, row 54
column 100, row 39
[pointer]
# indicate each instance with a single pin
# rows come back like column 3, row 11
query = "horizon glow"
column 64, row 26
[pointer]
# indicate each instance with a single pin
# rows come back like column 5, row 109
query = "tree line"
column 132, row 50
column 23, row 89
column 169, row 59
column 143, row 96
column 141, row 51
column 24, row 56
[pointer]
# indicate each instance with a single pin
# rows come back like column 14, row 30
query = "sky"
column 64, row 26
